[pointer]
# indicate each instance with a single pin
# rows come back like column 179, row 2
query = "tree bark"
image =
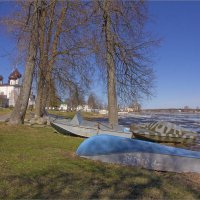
column 18, row 114
column 45, row 43
column 51, row 62
column 111, row 79
column 41, row 70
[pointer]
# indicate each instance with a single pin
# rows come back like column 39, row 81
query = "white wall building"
column 63, row 107
column 79, row 107
column 11, row 89
column 86, row 108
column 103, row 112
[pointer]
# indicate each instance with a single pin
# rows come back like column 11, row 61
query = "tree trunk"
column 42, row 64
column 111, row 79
column 45, row 43
column 51, row 62
column 18, row 114
column 38, row 111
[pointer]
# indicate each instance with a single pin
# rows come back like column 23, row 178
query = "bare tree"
column 18, row 114
column 92, row 101
column 122, row 50
column 76, row 98
column 54, row 99
column 43, row 49
column 62, row 61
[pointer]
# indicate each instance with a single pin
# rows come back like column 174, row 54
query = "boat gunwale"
column 121, row 153
column 158, row 134
column 136, row 142
column 93, row 128
column 178, row 140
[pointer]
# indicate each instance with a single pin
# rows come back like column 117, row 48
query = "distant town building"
column 31, row 102
column 10, row 91
column 86, row 108
column 103, row 112
column 136, row 107
column 79, row 107
column 63, row 107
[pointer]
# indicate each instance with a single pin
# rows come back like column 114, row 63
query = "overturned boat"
column 83, row 128
column 125, row 151
column 164, row 132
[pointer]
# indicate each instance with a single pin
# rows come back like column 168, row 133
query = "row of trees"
column 65, row 41
column 75, row 100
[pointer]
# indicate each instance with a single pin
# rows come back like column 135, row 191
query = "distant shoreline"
column 171, row 110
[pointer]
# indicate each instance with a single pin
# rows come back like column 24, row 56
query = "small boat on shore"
column 133, row 152
column 83, row 128
column 164, row 132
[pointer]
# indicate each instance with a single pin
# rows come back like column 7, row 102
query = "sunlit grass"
column 66, row 114
column 39, row 163
column 4, row 111
column 70, row 115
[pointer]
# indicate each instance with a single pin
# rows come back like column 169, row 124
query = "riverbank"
column 39, row 163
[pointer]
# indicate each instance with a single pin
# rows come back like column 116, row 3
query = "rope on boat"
column 99, row 123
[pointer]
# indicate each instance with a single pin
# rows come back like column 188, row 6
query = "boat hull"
column 64, row 131
column 156, row 162
column 86, row 131
column 133, row 152
column 162, row 131
column 163, row 139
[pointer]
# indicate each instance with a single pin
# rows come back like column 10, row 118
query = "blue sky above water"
column 177, row 60
column 177, row 63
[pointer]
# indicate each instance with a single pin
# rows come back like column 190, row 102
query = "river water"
column 189, row 121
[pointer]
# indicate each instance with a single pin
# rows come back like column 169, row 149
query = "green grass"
column 4, row 111
column 70, row 115
column 39, row 163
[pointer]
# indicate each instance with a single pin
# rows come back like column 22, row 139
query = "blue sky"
column 177, row 60
column 177, row 63
column 7, row 44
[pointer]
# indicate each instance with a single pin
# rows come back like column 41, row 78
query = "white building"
column 84, row 108
column 11, row 90
column 79, row 107
column 103, row 112
column 63, row 107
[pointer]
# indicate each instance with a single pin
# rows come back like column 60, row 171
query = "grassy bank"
column 39, row 163
column 4, row 111
column 70, row 115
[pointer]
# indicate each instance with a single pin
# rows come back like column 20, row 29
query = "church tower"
column 14, row 78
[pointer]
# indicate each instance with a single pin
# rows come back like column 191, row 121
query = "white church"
column 9, row 92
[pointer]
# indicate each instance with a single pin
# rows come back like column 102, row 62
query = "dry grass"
column 37, row 163
column 4, row 111
column 70, row 115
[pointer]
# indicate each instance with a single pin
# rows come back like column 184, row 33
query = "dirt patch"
column 192, row 177
column 5, row 117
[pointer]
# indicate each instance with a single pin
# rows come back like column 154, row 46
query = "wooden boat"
column 149, row 155
column 164, row 132
column 83, row 128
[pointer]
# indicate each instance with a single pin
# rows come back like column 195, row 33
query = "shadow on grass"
column 92, row 180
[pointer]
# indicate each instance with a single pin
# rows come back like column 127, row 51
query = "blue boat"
column 125, row 151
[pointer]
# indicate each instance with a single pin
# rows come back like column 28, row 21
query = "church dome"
column 1, row 78
column 15, row 75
